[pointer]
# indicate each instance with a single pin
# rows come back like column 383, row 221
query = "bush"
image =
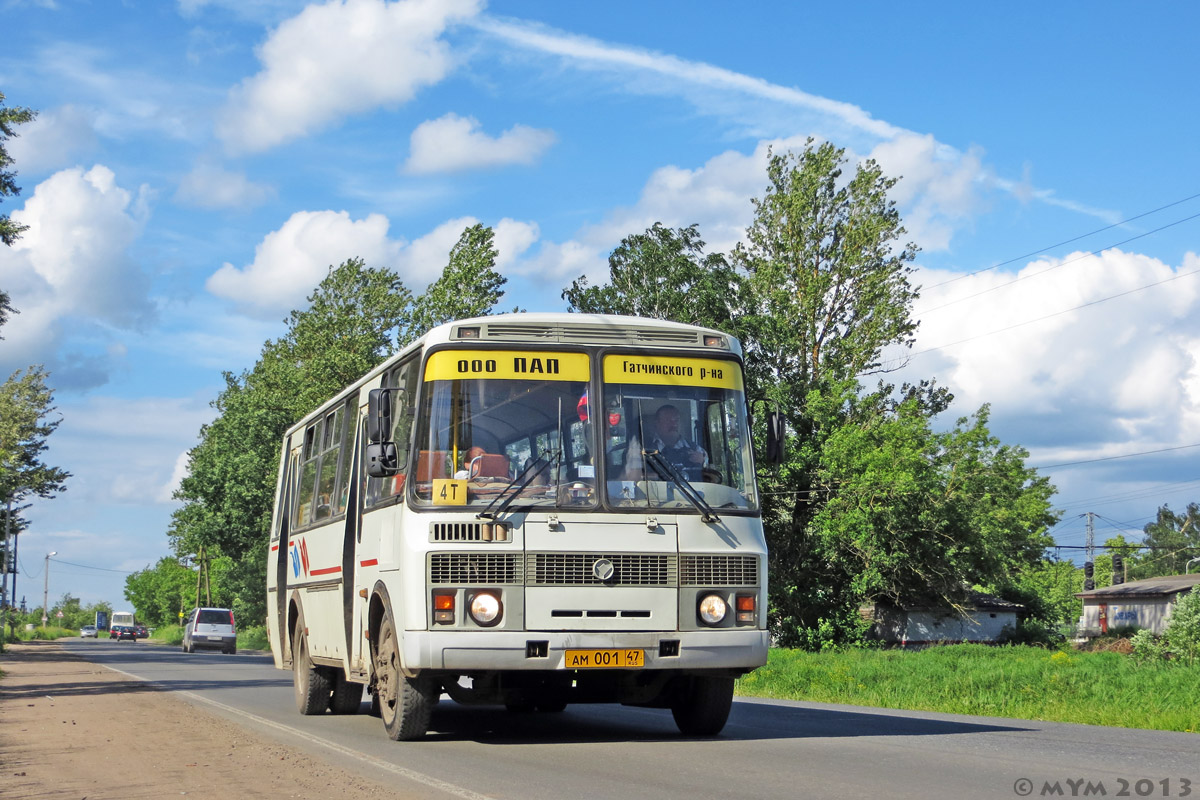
column 253, row 638
column 1033, row 632
column 1183, row 628
column 1147, row 647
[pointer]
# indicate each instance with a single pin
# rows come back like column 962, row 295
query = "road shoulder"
column 72, row 728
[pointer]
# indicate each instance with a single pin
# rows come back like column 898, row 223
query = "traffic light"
column 1118, row 569
column 1088, row 571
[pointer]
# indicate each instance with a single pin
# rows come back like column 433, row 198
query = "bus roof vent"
column 584, row 332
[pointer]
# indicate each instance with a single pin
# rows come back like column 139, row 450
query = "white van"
column 212, row 628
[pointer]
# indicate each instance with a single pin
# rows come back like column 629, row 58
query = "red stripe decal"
column 325, row 571
column 370, row 562
column 274, row 547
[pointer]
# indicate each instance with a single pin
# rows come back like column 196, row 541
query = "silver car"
column 87, row 632
column 212, row 628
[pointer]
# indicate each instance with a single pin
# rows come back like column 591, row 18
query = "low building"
column 921, row 624
column 1145, row 604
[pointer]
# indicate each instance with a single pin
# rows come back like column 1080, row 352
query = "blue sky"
column 197, row 165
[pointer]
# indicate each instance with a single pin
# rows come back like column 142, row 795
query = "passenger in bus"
column 666, row 438
column 471, row 463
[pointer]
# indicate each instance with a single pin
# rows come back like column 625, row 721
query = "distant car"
column 87, row 632
column 142, row 633
column 212, row 628
column 120, row 632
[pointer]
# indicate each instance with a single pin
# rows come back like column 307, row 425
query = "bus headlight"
column 713, row 609
column 485, row 609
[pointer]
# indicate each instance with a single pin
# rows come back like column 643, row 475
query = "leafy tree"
column 1183, row 628
column 664, row 274
column 871, row 502
column 161, row 592
column 1171, row 540
column 26, row 408
column 468, row 287
column 9, row 119
column 5, row 309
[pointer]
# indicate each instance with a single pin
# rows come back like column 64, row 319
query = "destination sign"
column 673, row 371
column 448, row 365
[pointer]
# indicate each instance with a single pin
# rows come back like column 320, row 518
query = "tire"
column 701, row 705
column 405, row 704
column 310, row 683
column 347, row 695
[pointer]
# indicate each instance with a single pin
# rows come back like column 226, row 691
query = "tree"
column 871, row 503
column 1171, row 540
column 9, row 119
column 26, row 408
column 161, row 592
column 468, row 287
column 664, row 274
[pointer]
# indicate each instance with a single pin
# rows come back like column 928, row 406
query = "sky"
column 197, row 165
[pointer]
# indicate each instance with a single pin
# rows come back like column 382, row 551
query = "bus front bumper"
column 535, row 650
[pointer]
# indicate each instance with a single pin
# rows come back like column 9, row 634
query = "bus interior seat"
column 489, row 465
column 432, row 464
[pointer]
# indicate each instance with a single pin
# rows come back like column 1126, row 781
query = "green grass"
column 1018, row 682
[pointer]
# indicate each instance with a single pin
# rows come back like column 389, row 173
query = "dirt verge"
column 73, row 729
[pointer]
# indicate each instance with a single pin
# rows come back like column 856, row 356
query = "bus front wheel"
column 311, row 686
column 405, row 704
column 701, row 705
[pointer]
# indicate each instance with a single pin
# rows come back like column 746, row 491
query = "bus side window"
column 308, row 477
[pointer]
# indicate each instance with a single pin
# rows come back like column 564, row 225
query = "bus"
column 529, row 510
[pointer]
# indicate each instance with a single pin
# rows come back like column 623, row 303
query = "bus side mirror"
column 381, row 459
column 379, row 415
column 775, row 437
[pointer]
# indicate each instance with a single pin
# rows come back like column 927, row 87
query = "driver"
column 666, row 438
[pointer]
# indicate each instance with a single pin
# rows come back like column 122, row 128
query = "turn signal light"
column 443, row 609
column 747, row 608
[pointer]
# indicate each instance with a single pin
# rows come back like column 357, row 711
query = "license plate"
column 593, row 659
column 216, row 638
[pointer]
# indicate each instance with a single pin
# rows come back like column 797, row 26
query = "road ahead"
column 768, row 749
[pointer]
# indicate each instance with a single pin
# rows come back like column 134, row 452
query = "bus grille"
column 457, row 532
column 706, row 570
column 578, row 569
column 583, row 332
column 475, row 568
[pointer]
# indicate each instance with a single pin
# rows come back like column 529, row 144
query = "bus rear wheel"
column 347, row 695
column 701, row 705
column 309, row 682
column 405, row 704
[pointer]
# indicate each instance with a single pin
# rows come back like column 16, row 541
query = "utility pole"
column 46, row 589
column 1090, row 544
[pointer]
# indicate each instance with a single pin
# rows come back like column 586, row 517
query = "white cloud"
column 452, row 143
column 290, row 262
column 210, row 186
column 72, row 267
column 53, row 140
column 341, row 57
column 1088, row 381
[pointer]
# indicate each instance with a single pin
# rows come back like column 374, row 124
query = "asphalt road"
column 768, row 749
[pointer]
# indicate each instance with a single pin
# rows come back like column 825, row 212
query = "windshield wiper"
column 665, row 467
column 511, row 492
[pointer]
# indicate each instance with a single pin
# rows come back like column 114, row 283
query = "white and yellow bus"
column 529, row 510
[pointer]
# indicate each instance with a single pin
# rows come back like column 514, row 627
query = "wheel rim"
column 387, row 675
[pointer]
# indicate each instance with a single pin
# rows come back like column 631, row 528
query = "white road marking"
column 412, row 775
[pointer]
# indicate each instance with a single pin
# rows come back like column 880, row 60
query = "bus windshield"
column 498, row 420
column 670, row 419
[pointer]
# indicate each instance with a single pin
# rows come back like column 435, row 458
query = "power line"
column 1051, row 269
column 1067, row 241
column 1055, row 314
column 1114, row 458
column 87, row 566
